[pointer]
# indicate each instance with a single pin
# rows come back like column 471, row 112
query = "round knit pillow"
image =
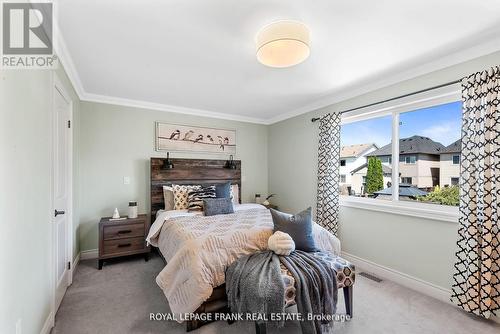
column 281, row 243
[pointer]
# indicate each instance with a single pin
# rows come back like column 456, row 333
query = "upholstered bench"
column 345, row 279
column 346, row 275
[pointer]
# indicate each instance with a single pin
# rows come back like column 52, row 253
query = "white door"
column 62, row 192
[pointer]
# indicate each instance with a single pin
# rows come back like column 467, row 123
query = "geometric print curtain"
column 327, row 209
column 476, row 279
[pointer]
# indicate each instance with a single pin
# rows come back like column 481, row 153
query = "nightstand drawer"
column 123, row 231
column 118, row 246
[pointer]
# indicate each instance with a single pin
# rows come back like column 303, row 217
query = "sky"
column 440, row 123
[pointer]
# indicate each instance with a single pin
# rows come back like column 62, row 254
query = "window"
column 409, row 159
column 424, row 133
column 386, row 159
column 369, row 143
column 342, row 163
column 342, row 178
column 456, row 160
column 406, row 180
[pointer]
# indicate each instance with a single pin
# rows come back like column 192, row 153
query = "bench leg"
column 348, row 299
column 260, row 327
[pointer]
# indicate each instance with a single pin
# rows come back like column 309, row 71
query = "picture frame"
column 188, row 138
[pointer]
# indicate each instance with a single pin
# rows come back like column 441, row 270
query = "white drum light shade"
column 283, row 44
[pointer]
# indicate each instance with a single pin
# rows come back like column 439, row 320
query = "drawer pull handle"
column 124, row 231
column 124, row 245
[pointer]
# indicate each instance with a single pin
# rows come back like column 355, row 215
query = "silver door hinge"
column 69, row 124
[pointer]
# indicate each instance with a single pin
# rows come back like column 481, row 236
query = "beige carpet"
column 119, row 299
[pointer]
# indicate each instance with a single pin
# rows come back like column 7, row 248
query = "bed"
column 198, row 249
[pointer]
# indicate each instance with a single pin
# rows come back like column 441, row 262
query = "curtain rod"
column 395, row 98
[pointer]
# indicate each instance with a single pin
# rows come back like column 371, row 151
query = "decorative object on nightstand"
column 132, row 210
column 122, row 238
column 258, row 199
column 269, row 205
column 116, row 214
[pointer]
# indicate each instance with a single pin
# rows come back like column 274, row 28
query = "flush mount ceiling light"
column 283, row 43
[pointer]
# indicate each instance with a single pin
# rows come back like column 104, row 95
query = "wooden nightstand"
column 123, row 238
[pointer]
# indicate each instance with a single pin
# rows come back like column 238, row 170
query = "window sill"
column 412, row 209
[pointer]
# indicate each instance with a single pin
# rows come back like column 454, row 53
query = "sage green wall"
column 418, row 247
column 117, row 141
column 25, row 203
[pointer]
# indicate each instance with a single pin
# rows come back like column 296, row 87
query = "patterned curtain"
column 328, row 172
column 476, row 286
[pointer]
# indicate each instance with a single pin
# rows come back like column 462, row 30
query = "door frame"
column 57, row 85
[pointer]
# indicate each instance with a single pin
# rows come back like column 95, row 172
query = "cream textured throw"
column 281, row 243
column 198, row 249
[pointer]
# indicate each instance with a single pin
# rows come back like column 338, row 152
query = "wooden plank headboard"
column 189, row 171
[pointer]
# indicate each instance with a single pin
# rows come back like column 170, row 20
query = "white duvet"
column 198, row 249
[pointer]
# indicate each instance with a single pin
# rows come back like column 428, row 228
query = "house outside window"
column 353, row 158
column 450, row 164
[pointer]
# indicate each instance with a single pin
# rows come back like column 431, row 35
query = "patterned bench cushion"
column 344, row 269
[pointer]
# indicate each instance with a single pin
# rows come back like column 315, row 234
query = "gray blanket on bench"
column 254, row 285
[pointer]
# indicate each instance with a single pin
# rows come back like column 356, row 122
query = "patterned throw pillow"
column 181, row 195
column 196, row 196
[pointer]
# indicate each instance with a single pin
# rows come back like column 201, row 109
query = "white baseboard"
column 73, row 267
column 406, row 280
column 89, row 254
column 76, row 261
column 49, row 323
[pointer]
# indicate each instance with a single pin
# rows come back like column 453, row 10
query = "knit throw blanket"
column 254, row 286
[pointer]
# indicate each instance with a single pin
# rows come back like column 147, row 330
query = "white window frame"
column 345, row 178
column 443, row 95
column 453, row 159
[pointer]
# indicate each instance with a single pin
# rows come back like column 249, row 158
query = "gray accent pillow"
column 298, row 226
column 217, row 206
column 223, row 190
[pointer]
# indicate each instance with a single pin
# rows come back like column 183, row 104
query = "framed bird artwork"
column 175, row 137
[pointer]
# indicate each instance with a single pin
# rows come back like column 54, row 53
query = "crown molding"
column 168, row 108
column 67, row 61
column 452, row 59
column 398, row 76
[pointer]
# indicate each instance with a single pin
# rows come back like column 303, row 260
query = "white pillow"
column 281, row 243
column 235, row 194
column 168, row 197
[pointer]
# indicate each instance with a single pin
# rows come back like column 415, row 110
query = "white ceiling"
column 198, row 56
